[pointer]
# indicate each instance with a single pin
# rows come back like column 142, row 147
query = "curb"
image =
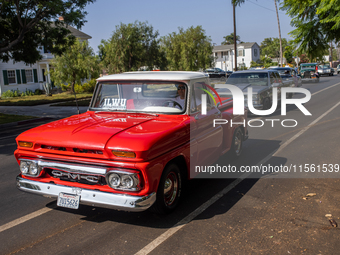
column 25, row 122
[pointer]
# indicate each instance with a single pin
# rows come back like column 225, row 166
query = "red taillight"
column 316, row 69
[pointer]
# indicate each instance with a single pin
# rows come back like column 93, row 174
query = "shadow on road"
column 197, row 192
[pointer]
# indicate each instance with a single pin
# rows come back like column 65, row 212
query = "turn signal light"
column 124, row 154
column 25, row 144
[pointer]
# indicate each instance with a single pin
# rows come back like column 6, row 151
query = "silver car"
column 289, row 76
column 325, row 70
column 262, row 82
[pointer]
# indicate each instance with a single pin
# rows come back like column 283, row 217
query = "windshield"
column 153, row 97
column 254, row 79
column 283, row 72
column 307, row 66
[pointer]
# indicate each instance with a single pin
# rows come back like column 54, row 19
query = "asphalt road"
column 260, row 214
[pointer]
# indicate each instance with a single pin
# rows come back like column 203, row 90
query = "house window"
column 11, row 77
column 216, row 54
column 240, row 53
column 255, row 52
column 222, row 54
column 29, row 75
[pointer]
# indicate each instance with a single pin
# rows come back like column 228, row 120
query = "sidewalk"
column 41, row 111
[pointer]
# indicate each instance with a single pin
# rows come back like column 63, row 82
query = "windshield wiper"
column 144, row 113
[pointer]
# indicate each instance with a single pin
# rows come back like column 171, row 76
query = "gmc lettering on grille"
column 75, row 176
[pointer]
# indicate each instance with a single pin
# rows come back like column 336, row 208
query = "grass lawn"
column 8, row 118
column 41, row 99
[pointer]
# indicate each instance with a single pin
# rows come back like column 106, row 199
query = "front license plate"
column 68, row 200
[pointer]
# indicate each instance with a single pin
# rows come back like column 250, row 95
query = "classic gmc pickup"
column 135, row 145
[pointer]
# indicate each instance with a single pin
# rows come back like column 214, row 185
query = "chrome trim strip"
column 75, row 168
column 89, row 197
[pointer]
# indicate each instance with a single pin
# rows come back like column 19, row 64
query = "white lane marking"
column 151, row 246
column 305, row 129
column 167, row 234
column 326, row 88
column 24, row 219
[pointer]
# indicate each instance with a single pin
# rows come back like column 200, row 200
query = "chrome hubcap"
column 170, row 188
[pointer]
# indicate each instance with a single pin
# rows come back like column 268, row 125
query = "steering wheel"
column 166, row 103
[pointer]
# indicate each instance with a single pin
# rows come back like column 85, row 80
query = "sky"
column 255, row 19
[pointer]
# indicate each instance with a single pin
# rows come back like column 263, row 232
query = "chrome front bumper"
column 89, row 197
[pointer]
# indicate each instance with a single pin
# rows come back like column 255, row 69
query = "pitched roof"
column 231, row 46
column 77, row 33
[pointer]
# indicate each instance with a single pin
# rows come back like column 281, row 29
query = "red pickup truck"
column 135, row 145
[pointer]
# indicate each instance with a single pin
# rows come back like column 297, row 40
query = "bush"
column 89, row 86
column 28, row 92
column 78, row 88
column 11, row 93
column 65, row 87
column 38, row 92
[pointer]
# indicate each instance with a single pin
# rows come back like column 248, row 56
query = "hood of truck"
column 97, row 134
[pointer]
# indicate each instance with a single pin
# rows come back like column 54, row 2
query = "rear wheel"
column 236, row 146
column 169, row 190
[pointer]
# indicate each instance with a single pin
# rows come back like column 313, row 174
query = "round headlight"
column 23, row 167
column 127, row 181
column 33, row 168
column 114, row 180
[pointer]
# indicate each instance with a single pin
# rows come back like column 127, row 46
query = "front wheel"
column 169, row 190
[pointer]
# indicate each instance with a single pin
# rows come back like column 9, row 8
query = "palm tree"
column 234, row 3
column 278, row 23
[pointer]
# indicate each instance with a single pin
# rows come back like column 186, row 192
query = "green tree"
column 288, row 52
column 271, row 47
column 131, row 47
column 316, row 22
column 77, row 63
column 188, row 50
column 26, row 25
column 229, row 39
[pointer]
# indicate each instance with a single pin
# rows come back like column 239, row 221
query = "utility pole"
column 278, row 23
column 235, row 47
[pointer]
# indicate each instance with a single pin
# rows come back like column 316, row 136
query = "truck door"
column 208, row 139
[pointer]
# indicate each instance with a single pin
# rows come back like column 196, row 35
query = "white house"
column 246, row 52
column 18, row 75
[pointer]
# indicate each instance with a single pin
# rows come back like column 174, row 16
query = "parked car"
column 289, row 76
column 133, row 148
column 309, row 72
column 325, row 70
column 262, row 82
column 215, row 72
column 338, row 69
